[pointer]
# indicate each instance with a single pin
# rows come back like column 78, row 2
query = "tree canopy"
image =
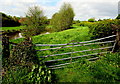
column 64, row 18
column 9, row 21
column 35, row 21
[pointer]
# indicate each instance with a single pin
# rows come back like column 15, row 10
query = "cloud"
column 15, row 7
column 84, row 9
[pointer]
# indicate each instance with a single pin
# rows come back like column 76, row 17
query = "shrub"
column 49, row 28
column 84, row 23
column 76, row 21
column 15, row 75
column 102, row 28
column 91, row 20
column 118, row 17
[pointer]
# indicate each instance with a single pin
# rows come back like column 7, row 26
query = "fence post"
column 116, row 29
column 117, row 43
column 118, row 38
column 5, row 46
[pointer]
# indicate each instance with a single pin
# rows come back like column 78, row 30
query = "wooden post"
column 118, row 40
column 116, row 29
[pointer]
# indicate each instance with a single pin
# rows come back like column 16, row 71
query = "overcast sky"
column 84, row 9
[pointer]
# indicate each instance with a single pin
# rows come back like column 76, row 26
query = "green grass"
column 11, row 28
column 104, row 70
column 76, row 34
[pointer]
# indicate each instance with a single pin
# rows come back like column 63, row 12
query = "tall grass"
column 105, row 69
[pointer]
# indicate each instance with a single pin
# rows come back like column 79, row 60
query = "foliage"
column 47, row 21
column 85, row 23
column 102, row 28
column 63, row 19
column 21, row 55
column 91, row 20
column 40, row 74
column 5, row 47
column 9, row 21
column 19, row 63
column 35, row 21
column 49, row 28
column 118, row 17
column 19, row 68
column 37, row 75
column 76, row 21
column 99, row 19
column 15, row 75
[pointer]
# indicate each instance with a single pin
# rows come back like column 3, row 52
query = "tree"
column 91, row 20
column 64, row 18
column 54, row 22
column 35, row 21
column 8, row 21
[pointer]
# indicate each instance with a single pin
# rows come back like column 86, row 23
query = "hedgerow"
column 103, row 28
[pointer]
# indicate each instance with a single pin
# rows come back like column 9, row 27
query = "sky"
column 83, row 9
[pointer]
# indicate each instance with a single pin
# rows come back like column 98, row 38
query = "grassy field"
column 11, row 28
column 104, row 70
column 76, row 34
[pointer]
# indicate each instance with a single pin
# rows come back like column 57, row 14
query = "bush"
column 76, row 21
column 102, row 28
column 118, row 17
column 16, row 75
column 91, row 20
column 84, row 23
column 49, row 28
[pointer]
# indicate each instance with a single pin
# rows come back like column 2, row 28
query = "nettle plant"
column 40, row 74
